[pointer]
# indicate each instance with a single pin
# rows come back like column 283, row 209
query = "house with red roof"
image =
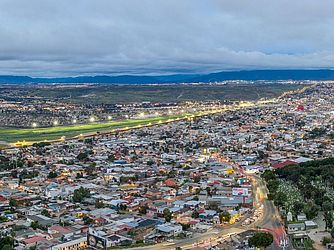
column 284, row 163
column 32, row 241
column 170, row 183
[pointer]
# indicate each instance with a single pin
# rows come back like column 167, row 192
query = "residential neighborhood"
column 181, row 184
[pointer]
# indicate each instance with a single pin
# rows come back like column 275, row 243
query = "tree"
column 122, row 207
column 3, row 219
column 45, row 213
column 261, row 239
column 80, row 194
column 99, row 204
column 150, row 162
column 7, row 247
column 327, row 206
column 262, row 155
column 197, row 179
column 167, row 215
column 280, row 199
column 332, row 232
column 198, row 191
column 185, row 227
column 6, row 241
column 12, row 202
column 208, row 191
column 82, row 156
column 328, row 220
column 143, row 209
column 87, row 220
column 90, row 169
column 79, row 175
column 298, row 207
column 224, row 217
column 268, row 175
column 34, row 225
column 111, row 157
column 195, row 214
column 311, row 211
column 272, row 185
column 52, row 175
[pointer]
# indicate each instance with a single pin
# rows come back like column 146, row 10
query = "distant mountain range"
column 324, row 74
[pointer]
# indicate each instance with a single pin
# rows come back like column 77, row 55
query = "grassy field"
column 31, row 135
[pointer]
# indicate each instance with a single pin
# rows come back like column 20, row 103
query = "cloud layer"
column 54, row 38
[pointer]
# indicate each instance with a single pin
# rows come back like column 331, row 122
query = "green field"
column 31, row 135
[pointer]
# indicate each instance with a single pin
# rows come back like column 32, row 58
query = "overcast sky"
column 75, row 37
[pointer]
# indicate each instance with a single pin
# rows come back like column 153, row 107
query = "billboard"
column 96, row 242
column 240, row 191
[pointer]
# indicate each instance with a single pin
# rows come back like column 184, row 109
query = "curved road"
column 271, row 220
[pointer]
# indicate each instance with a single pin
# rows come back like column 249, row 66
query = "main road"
column 271, row 220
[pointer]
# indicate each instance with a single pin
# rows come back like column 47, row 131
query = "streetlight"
column 109, row 117
column 92, row 119
column 141, row 114
column 34, row 124
column 74, row 121
column 55, row 123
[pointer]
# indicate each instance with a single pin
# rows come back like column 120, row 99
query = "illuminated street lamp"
column 141, row 114
column 109, row 117
column 92, row 119
column 55, row 123
column 169, row 111
column 74, row 121
column 34, row 124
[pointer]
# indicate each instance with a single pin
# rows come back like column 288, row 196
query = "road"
column 197, row 240
column 271, row 220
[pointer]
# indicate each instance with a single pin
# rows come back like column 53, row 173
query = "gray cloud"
column 47, row 37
